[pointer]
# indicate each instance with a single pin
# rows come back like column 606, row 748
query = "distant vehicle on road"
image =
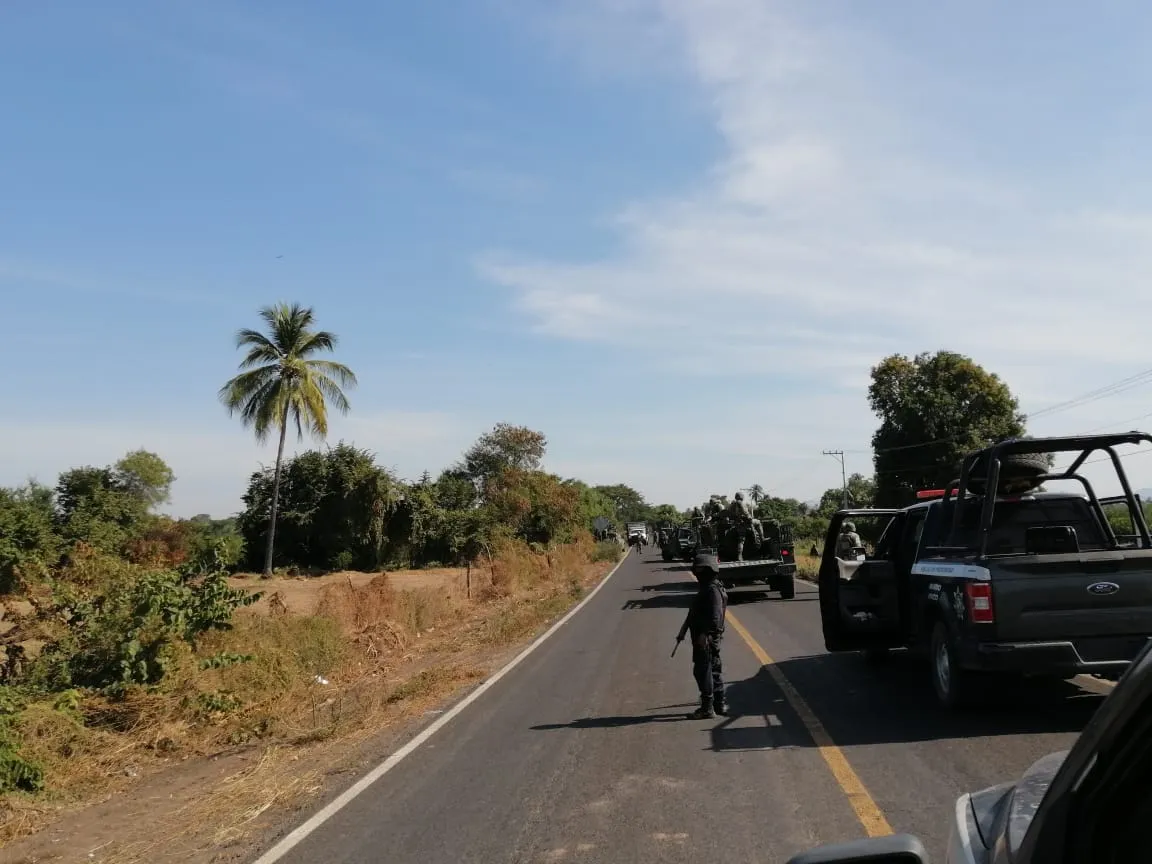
column 636, row 529
column 991, row 575
column 681, row 545
column 772, row 562
column 1087, row 805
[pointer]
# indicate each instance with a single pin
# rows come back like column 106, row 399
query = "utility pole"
column 839, row 454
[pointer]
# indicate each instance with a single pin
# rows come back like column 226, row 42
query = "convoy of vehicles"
column 992, row 575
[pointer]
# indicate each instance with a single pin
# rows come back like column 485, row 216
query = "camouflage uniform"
column 847, row 541
column 743, row 517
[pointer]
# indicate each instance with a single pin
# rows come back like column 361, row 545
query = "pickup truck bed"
column 776, row 573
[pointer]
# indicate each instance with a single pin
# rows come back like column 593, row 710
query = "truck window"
column 1120, row 518
column 1011, row 519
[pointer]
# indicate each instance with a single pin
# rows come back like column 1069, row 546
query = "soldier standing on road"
column 847, row 542
column 705, row 621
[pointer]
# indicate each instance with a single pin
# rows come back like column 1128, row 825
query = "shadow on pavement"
column 759, row 718
column 670, row 586
column 660, row 601
column 891, row 704
column 739, row 596
column 613, row 722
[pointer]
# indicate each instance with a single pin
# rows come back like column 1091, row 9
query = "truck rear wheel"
column 786, row 585
column 954, row 686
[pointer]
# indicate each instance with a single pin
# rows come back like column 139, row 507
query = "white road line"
column 294, row 837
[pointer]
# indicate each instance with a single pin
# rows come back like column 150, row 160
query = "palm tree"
column 756, row 493
column 281, row 382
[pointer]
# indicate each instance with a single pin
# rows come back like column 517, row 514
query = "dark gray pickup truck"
column 991, row 576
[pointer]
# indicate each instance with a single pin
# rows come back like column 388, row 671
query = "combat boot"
column 705, row 711
column 720, row 707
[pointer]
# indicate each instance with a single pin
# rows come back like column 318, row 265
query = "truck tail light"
column 980, row 609
column 784, row 552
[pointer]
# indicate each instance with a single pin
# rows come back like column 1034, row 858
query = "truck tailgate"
column 1094, row 599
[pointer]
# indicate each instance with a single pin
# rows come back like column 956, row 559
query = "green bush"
column 129, row 629
column 17, row 774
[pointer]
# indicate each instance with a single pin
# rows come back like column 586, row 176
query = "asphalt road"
column 582, row 753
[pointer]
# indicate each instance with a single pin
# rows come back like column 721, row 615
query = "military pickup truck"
column 771, row 563
column 681, row 544
column 993, row 576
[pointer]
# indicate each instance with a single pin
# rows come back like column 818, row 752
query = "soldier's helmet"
column 849, row 527
column 739, row 496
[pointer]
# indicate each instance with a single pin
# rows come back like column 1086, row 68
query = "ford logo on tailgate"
column 1102, row 588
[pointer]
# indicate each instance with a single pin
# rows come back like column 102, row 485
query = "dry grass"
column 807, row 566
column 334, row 664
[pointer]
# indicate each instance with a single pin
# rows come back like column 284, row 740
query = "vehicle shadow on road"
column 740, row 597
column 859, row 703
column 612, row 722
column 689, row 586
column 660, row 601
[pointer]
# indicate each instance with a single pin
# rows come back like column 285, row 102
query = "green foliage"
column 128, row 628
column 505, row 447
column 534, row 506
column 283, row 382
column 214, row 544
column 107, row 508
column 628, row 505
column 29, row 545
column 933, row 409
column 17, row 774
column 146, row 477
column 335, row 506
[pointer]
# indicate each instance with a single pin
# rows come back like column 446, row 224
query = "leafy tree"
column 94, row 508
column 29, row 546
column 283, row 382
column 756, row 493
column 335, row 508
column 628, row 504
column 146, row 476
column 933, row 409
column 506, row 446
column 861, row 493
column 535, row 506
column 593, row 503
column 664, row 513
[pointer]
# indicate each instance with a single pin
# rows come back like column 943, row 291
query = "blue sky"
column 672, row 234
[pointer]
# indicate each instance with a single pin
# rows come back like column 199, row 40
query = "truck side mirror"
column 894, row 849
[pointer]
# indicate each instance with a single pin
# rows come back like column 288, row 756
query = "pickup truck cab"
column 982, row 577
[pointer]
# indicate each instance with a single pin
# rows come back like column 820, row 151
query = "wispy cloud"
column 823, row 237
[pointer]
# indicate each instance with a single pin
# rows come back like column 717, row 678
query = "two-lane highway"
column 582, row 752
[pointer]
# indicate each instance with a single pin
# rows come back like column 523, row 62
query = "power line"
column 1093, row 395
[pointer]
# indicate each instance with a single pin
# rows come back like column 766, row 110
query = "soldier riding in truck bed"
column 750, row 552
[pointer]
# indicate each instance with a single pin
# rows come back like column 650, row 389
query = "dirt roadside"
column 223, row 806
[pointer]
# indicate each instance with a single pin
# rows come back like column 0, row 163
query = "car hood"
column 1029, row 792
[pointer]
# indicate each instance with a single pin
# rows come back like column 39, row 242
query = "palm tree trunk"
column 275, row 495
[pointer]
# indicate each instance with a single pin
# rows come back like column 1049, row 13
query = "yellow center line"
column 867, row 811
